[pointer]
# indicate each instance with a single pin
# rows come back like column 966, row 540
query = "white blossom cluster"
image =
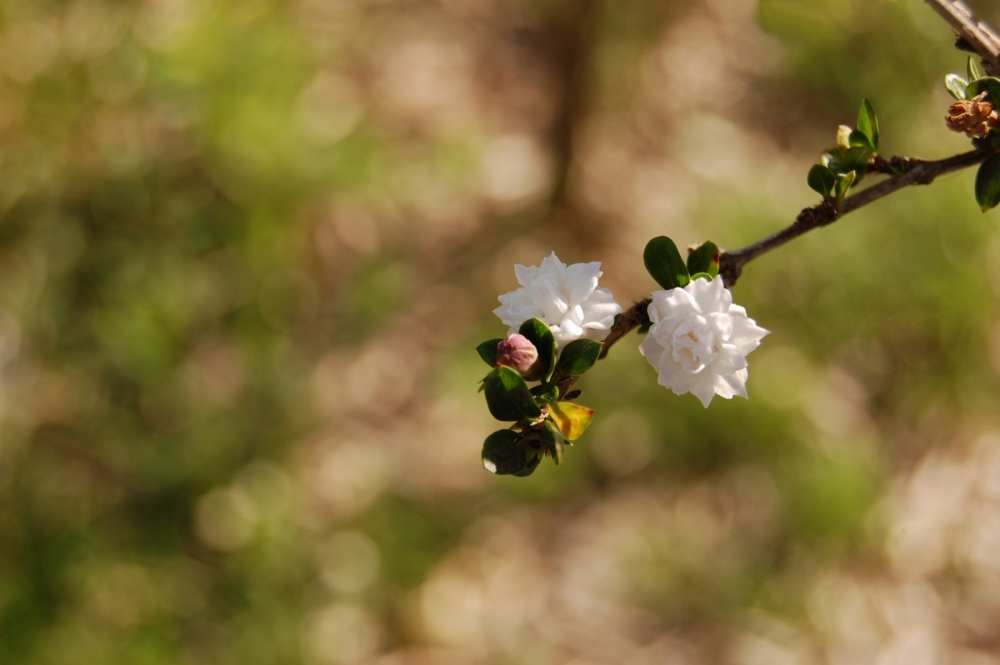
column 698, row 341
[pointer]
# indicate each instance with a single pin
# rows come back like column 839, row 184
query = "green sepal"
column 644, row 328
column 705, row 259
column 988, row 143
column 579, row 356
column 508, row 397
column 570, row 419
column 821, row 179
column 539, row 334
column 868, row 123
column 504, row 453
column 972, row 70
column 665, row 264
column 488, row 351
column 956, row 86
column 988, row 183
column 545, row 393
column 552, row 439
column 844, row 182
column 988, row 84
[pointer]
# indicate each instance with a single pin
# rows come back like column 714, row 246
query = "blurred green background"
column 247, row 248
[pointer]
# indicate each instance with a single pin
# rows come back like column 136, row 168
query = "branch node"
column 818, row 215
column 730, row 268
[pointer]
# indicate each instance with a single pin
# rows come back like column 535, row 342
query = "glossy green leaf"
column 545, row 393
column 488, row 351
column 859, row 139
column 508, row 397
column 988, row 183
column 972, row 69
column 579, row 356
column 988, row 84
column 704, row 259
column 570, row 419
column 855, row 159
column 868, row 123
column 665, row 264
column 956, row 86
column 844, row 182
column 821, row 179
column 539, row 334
column 504, row 453
column 529, row 469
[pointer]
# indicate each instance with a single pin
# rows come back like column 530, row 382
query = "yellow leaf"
column 571, row 419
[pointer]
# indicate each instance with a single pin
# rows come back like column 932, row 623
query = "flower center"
column 694, row 344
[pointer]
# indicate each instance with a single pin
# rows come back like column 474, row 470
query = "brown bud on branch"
column 976, row 116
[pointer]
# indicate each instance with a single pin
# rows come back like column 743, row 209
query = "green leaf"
column 844, row 182
column 533, row 463
column 545, row 393
column 504, row 453
column 868, row 123
column 579, row 356
column 988, row 84
column 859, row 139
column 821, row 179
column 855, row 159
column 508, row 397
column 972, row 69
column 988, row 183
column 539, row 334
column 665, row 264
column 570, row 419
column 957, row 86
column 488, row 351
column 704, row 259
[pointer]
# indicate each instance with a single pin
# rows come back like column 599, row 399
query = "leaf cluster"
column 844, row 164
column 543, row 421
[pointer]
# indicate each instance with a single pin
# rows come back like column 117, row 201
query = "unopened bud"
column 518, row 353
column 844, row 137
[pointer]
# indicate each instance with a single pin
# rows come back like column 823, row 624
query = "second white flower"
column 699, row 340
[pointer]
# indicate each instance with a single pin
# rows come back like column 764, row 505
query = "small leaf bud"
column 844, row 137
column 518, row 353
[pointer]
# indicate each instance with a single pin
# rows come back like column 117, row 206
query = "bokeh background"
column 247, row 248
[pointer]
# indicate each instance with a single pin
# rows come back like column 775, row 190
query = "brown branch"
column 903, row 172
column 972, row 34
column 917, row 172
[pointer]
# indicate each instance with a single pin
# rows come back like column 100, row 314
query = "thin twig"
column 919, row 173
column 904, row 171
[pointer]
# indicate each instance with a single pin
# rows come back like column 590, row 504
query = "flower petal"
column 581, row 280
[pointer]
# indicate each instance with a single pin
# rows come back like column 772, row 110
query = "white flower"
column 566, row 298
column 699, row 340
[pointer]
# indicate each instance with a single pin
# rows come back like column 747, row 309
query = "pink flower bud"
column 517, row 352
